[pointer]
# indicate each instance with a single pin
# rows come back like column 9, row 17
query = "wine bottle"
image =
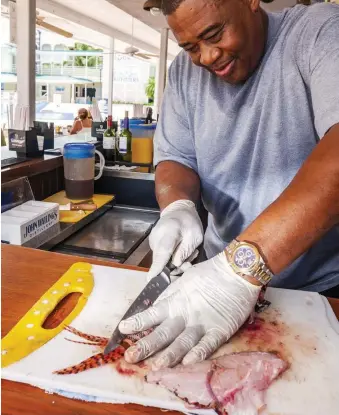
column 109, row 141
column 125, row 141
column 149, row 116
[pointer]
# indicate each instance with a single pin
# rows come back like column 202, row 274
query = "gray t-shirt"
column 247, row 142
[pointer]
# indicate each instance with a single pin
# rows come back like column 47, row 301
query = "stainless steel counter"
column 125, row 174
column 120, row 235
column 118, row 231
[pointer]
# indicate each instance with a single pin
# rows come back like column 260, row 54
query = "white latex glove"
column 195, row 315
column 177, row 234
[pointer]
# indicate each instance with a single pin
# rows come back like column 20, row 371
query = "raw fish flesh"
column 232, row 384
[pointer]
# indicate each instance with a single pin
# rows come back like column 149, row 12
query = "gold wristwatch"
column 245, row 260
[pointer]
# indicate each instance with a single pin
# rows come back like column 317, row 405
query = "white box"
column 24, row 222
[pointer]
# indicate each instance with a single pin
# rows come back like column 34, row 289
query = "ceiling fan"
column 134, row 52
column 40, row 21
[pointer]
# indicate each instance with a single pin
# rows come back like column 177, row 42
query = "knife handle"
column 83, row 206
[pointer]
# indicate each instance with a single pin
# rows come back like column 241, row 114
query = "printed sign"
column 98, row 129
column 37, row 226
column 17, row 140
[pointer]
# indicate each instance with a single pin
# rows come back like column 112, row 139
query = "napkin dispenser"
column 32, row 142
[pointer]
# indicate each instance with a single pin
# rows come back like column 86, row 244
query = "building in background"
column 68, row 72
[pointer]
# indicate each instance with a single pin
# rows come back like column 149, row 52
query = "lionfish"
column 99, row 359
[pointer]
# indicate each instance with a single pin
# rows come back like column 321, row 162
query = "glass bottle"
column 125, row 141
column 108, row 144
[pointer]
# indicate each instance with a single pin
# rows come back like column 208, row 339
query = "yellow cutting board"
column 72, row 216
column 28, row 334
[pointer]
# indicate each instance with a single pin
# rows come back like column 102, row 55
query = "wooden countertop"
column 31, row 167
column 32, row 272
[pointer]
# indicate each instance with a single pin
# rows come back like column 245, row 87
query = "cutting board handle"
column 28, row 334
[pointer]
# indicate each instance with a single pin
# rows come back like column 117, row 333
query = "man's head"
column 82, row 113
column 227, row 37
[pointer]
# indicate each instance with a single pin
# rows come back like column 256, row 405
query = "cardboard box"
column 24, row 222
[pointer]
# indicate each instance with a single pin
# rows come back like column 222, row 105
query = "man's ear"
column 254, row 5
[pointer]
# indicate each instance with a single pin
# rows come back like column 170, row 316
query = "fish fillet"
column 232, row 384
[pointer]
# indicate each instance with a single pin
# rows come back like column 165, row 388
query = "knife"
column 146, row 298
column 78, row 206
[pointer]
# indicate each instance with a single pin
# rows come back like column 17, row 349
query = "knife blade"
column 145, row 299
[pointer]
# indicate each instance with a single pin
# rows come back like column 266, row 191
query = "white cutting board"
column 300, row 325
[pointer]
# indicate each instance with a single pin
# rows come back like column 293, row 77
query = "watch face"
column 245, row 257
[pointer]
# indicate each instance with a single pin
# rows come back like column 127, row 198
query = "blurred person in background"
column 82, row 122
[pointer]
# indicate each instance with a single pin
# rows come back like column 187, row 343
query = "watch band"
column 259, row 270
column 263, row 274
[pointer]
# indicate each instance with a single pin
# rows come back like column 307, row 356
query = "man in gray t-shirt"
column 250, row 124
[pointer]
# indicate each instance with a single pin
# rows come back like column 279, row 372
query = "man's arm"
column 174, row 181
column 304, row 212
